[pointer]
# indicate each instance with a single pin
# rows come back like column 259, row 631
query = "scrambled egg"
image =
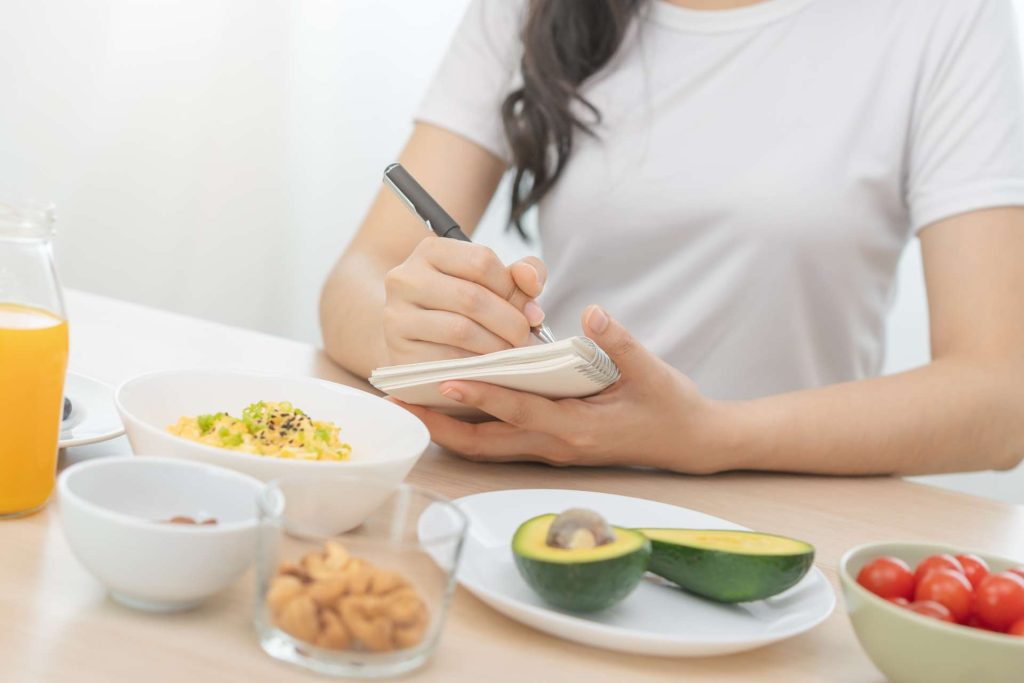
column 279, row 430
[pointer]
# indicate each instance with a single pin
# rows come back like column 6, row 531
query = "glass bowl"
column 354, row 575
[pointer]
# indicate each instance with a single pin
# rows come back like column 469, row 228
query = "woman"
column 732, row 183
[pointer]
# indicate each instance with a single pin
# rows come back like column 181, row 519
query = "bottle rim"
column 27, row 220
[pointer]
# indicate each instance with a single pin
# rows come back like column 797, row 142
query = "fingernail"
column 534, row 314
column 597, row 320
column 536, row 273
column 452, row 393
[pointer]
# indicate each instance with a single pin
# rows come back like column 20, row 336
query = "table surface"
column 56, row 623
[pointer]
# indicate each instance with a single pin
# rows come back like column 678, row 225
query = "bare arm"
column 962, row 411
column 463, row 177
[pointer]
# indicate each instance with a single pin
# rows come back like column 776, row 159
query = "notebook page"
column 499, row 359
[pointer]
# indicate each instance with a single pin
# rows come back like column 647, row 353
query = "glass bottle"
column 33, row 358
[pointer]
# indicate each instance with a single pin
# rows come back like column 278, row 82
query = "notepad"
column 570, row 368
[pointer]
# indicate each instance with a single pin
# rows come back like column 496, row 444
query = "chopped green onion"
column 254, row 416
column 205, row 422
column 229, row 439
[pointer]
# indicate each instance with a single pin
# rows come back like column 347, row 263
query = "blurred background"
column 213, row 158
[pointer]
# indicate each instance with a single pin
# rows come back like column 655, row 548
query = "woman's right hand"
column 451, row 299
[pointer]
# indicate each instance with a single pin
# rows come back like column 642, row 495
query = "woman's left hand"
column 653, row 416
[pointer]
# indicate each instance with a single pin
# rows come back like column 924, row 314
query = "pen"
column 437, row 219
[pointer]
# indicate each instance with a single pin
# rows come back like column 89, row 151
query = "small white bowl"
column 386, row 440
column 114, row 512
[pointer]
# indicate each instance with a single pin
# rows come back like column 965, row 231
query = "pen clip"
column 421, row 203
column 401, row 195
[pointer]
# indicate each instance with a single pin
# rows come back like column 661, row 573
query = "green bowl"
column 910, row 648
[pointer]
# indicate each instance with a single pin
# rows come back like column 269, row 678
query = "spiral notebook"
column 570, row 368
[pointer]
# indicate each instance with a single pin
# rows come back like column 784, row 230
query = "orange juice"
column 33, row 359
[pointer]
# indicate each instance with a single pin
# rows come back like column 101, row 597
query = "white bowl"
column 911, row 648
column 114, row 512
column 386, row 440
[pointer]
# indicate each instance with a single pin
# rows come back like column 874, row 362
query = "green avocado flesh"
column 728, row 566
column 582, row 579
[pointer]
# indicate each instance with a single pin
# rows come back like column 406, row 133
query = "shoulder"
column 972, row 29
column 503, row 10
column 499, row 21
column 951, row 7
column 489, row 35
column 920, row 16
column 953, row 15
column 938, row 31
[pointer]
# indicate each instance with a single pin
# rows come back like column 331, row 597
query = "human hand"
column 451, row 299
column 653, row 416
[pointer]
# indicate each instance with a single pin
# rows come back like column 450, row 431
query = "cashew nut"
column 335, row 556
column 405, row 607
column 385, row 581
column 334, row 635
column 282, row 590
column 328, row 591
column 408, row 636
column 292, row 569
column 359, row 580
column 299, row 619
column 359, row 612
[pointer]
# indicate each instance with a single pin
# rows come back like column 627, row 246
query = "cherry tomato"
column 975, row 568
column 887, row 577
column 999, row 601
column 1019, row 571
column 1017, row 629
column 900, row 602
column 948, row 588
column 975, row 622
column 930, row 608
column 944, row 561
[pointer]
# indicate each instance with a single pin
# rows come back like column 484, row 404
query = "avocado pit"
column 579, row 528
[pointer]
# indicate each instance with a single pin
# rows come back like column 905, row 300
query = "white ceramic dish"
column 386, row 440
column 93, row 417
column 114, row 512
column 656, row 619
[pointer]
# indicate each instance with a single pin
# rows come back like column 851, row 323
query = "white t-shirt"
column 759, row 171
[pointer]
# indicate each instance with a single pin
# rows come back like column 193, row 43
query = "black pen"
column 437, row 219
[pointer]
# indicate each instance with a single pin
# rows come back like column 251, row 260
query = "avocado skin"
column 585, row 586
column 724, row 576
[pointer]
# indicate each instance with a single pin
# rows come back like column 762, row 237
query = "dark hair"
column 564, row 43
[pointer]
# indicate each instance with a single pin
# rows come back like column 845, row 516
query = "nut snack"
column 335, row 601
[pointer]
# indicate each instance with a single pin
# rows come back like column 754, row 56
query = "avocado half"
column 728, row 566
column 580, row 579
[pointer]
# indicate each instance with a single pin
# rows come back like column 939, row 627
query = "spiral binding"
column 601, row 368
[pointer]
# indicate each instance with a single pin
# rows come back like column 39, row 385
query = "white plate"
column 656, row 619
column 93, row 416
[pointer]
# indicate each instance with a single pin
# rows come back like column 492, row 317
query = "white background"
column 214, row 157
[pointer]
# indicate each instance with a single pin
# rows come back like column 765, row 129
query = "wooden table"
column 56, row 623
